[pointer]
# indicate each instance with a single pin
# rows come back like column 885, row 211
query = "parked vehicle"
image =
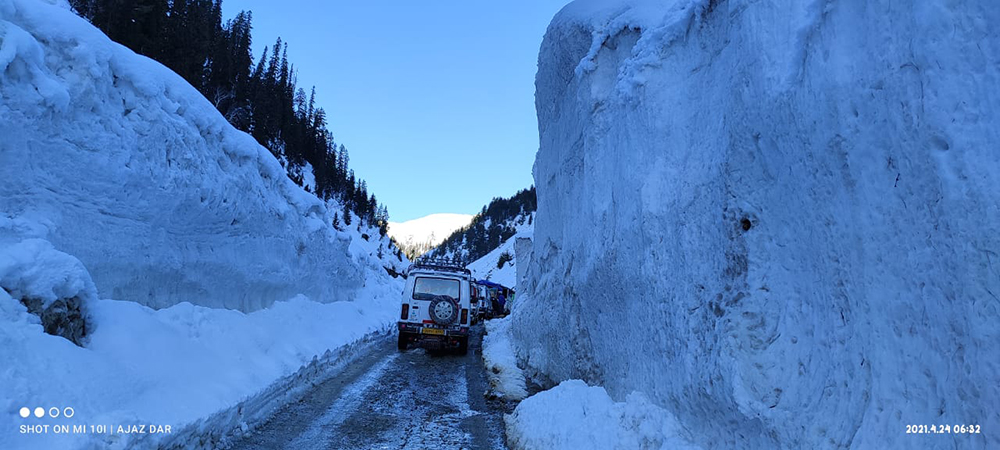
column 436, row 306
column 485, row 309
column 497, row 296
column 476, row 302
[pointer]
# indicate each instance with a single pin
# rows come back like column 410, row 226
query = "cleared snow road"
column 392, row 400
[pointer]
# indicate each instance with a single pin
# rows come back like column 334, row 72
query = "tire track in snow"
column 391, row 400
column 313, row 437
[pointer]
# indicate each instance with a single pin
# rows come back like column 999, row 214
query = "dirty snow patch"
column 501, row 363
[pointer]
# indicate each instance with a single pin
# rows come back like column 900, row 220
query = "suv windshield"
column 427, row 288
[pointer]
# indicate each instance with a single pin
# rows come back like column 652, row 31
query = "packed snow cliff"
column 119, row 162
column 779, row 221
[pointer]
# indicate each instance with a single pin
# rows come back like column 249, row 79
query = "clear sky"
column 433, row 99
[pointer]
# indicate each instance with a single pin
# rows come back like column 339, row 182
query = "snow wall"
column 119, row 162
column 779, row 220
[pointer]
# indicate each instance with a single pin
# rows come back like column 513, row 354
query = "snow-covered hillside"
column 426, row 232
column 119, row 162
column 485, row 268
column 496, row 222
column 779, row 221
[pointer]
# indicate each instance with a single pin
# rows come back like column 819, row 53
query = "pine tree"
column 300, row 105
column 347, row 215
column 258, row 96
column 312, row 105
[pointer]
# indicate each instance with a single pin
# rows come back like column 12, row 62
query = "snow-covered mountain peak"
column 422, row 234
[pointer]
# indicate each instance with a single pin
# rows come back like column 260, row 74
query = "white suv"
column 436, row 308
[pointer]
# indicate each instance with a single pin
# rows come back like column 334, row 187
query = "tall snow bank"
column 118, row 161
column 777, row 220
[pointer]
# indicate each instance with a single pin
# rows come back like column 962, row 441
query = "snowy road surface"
column 392, row 400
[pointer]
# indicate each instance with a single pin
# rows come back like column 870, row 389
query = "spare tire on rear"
column 443, row 310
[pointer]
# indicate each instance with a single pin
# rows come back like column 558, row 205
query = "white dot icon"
column 69, row 412
column 25, row 412
column 39, row 412
column 53, row 412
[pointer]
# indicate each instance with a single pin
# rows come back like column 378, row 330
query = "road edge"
column 226, row 427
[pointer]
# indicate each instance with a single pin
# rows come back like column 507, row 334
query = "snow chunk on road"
column 575, row 416
column 501, row 362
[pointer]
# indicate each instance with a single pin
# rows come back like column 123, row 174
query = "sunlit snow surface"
column 776, row 220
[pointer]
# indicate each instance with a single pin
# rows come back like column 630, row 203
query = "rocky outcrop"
column 63, row 317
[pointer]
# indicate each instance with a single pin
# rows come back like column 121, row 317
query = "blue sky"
column 433, row 99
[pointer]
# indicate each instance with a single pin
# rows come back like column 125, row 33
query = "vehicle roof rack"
column 442, row 264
